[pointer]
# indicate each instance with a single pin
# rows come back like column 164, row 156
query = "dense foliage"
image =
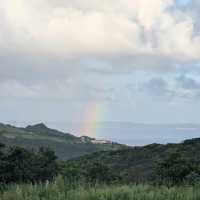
column 168, row 164
column 177, row 169
column 169, row 171
column 155, row 164
column 18, row 165
column 94, row 173
column 171, row 164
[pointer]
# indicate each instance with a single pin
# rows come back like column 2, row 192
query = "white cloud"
column 66, row 28
column 65, row 49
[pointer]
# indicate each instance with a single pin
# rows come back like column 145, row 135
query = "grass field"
column 60, row 191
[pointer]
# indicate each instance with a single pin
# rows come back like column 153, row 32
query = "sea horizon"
column 129, row 133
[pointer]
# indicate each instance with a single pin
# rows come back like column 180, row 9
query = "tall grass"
column 60, row 190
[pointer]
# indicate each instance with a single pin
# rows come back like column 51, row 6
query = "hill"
column 137, row 164
column 65, row 145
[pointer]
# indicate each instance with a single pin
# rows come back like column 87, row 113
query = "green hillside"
column 138, row 164
column 65, row 145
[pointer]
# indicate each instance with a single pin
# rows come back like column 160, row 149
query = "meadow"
column 60, row 190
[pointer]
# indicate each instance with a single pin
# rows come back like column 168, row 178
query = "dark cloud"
column 188, row 83
column 189, row 86
column 157, row 87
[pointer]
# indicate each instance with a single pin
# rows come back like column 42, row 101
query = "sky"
column 100, row 60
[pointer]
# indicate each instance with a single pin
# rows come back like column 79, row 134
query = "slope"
column 65, row 145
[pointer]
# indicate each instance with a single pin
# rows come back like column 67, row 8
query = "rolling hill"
column 137, row 164
column 65, row 145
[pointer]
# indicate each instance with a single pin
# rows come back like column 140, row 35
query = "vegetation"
column 141, row 164
column 169, row 164
column 152, row 172
column 60, row 190
column 65, row 145
column 18, row 165
column 177, row 169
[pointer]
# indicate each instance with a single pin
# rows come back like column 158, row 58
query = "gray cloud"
column 164, row 90
column 180, row 87
column 158, row 87
column 83, row 51
column 188, row 83
column 189, row 86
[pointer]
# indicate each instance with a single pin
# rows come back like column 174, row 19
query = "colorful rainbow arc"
column 93, row 115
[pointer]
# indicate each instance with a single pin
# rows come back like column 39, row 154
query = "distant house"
column 86, row 139
column 101, row 142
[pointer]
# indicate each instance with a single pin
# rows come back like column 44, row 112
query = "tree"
column 45, row 165
column 72, row 174
column 2, row 163
column 193, row 178
column 174, row 169
column 2, row 146
column 97, row 172
column 18, row 165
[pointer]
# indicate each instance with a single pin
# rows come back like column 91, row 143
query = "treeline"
column 175, row 169
column 18, row 165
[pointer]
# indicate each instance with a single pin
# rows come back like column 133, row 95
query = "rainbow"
column 93, row 115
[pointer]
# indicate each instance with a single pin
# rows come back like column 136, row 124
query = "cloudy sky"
column 100, row 60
